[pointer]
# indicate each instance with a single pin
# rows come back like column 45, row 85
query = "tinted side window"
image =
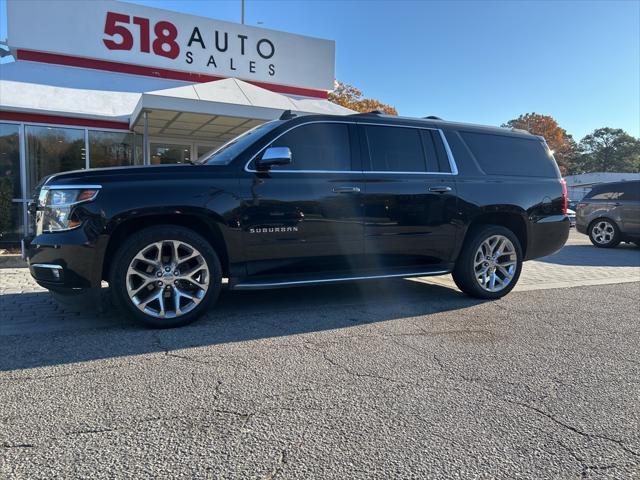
column 317, row 146
column 443, row 159
column 395, row 149
column 506, row 155
column 631, row 191
column 616, row 191
column 607, row 194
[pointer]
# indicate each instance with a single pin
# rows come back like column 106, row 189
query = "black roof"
column 428, row 122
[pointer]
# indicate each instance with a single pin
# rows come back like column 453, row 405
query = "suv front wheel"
column 165, row 276
column 490, row 263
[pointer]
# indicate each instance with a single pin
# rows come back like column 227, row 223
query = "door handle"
column 440, row 189
column 346, row 190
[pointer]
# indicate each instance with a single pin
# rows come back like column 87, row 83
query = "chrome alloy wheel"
column 603, row 232
column 167, row 279
column 495, row 263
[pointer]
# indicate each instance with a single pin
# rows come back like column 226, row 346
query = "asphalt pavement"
column 394, row 379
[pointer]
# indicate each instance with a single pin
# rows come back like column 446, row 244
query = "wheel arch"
column 513, row 221
column 209, row 230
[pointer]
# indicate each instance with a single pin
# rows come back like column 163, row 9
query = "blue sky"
column 483, row 62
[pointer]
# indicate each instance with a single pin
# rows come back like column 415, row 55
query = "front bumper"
column 65, row 261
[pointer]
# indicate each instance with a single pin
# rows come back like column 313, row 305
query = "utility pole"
column 242, row 16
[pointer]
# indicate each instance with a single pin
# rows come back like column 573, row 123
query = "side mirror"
column 274, row 156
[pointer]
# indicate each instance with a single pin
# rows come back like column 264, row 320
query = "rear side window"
column 395, row 149
column 507, row 155
column 401, row 149
column 441, row 153
column 317, row 146
column 631, row 191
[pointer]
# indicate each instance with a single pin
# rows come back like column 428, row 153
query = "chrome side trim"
column 71, row 187
column 257, row 286
column 408, row 173
column 50, row 266
column 452, row 163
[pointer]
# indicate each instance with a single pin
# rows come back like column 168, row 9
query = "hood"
column 94, row 176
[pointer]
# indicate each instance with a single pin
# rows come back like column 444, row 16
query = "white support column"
column 86, row 149
column 25, row 194
column 145, row 139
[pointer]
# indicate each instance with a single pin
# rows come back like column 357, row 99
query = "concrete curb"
column 12, row 261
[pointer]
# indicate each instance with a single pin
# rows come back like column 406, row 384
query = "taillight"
column 565, row 196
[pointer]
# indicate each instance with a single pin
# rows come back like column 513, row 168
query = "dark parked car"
column 610, row 214
column 304, row 201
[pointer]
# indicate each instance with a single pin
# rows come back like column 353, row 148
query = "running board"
column 255, row 285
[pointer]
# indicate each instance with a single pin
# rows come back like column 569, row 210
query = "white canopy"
column 220, row 109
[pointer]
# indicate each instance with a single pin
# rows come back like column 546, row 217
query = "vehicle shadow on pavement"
column 624, row 255
column 37, row 332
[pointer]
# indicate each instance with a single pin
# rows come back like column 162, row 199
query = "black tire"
column 464, row 274
column 596, row 240
column 135, row 244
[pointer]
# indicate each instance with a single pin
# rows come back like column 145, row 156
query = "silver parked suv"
column 610, row 214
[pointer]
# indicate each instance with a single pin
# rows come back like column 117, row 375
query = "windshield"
column 228, row 151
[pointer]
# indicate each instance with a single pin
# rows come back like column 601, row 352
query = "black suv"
column 304, row 201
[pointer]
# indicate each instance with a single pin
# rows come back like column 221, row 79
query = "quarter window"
column 510, row 155
column 317, row 146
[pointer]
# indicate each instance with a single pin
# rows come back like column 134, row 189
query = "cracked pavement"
column 395, row 379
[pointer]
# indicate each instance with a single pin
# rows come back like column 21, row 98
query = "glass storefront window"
column 10, row 221
column 206, row 149
column 110, row 149
column 10, row 161
column 170, row 153
column 53, row 150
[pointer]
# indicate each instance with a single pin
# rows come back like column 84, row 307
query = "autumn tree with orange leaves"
column 564, row 147
column 351, row 97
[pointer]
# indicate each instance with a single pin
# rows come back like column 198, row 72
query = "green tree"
column 564, row 147
column 351, row 97
column 609, row 150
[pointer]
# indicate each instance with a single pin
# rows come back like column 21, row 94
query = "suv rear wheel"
column 490, row 263
column 604, row 233
column 166, row 276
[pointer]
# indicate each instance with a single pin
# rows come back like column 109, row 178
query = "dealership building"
column 107, row 83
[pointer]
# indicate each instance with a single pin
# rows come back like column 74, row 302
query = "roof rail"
column 372, row 112
column 432, row 117
column 287, row 115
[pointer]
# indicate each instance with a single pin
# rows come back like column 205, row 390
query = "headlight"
column 55, row 207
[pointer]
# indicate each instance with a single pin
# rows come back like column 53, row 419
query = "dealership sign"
column 131, row 34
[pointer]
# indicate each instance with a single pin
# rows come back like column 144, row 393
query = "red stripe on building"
column 35, row 56
column 57, row 119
